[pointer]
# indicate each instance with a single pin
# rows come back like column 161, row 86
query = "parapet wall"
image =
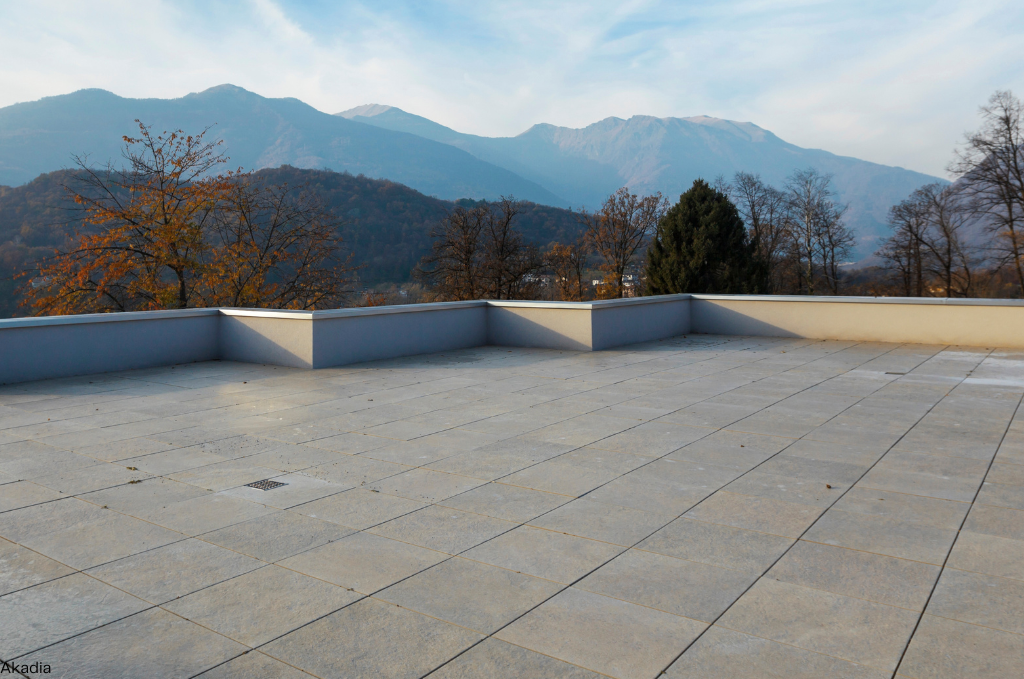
column 966, row 322
column 62, row 346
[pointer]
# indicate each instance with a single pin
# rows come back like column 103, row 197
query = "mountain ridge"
column 259, row 132
column 545, row 164
column 650, row 153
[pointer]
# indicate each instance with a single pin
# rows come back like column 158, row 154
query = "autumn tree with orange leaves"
column 167, row 231
column 620, row 230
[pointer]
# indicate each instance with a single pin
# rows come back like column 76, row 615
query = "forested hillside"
column 385, row 225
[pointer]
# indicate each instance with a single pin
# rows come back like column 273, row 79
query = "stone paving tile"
column 653, row 439
column 985, row 600
column 599, row 521
column 943, row 648
column 151, row 495
column 882, row 535
column 786, row 488
column 470, row 594
column 88, row 479
column 21, row 568
column 499, row 660
column 174, row 570
column 126, row 648
column 276, row 536
column 37, row 520
column 254, row 665
column 998, row 521
column 372, row 639
column 506, row 502
column 687, row 588
column 250, row 610
column 442, row 529
column 354, row 471
column 224, row 475
column 410, row 453
column 647, row 490
column 112, row 537
column 604, row 460
column 173, row 460
column 505, row 437
column 860, row 631
column 298, row 489
column 613, row 637
column 53, row 611
column 500, row 459
column 424, row 485
column 764, row 515
column 914, row 509
column 561, row 478
column 40, row 460
column 18, row 494
column 544, row 554
column 203, row 514
column 863, row 575
column 359, row 508
column 363, row 562
column 724, row 654
column 988, row 554
column 1001, row 495
column 717, row 545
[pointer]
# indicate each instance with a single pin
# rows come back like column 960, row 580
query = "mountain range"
column 546, row 164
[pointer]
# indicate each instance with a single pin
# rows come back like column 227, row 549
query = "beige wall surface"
column 267, row 339
column 979, row 325
column 617, row 324
column 552, row 327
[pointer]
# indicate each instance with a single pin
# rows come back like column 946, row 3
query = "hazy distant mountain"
column 664, row 154
column 548, row 165
column 41, row 136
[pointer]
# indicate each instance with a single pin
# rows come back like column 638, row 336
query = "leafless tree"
column 453, row 269
column 898, row 255
column 568, row 262
column 819, row 239
column 905, row 249
column 835, row 240
column 927, row 248
column 619, row 230
column 951, row 258
column 763, row 209
column 510, row 264
column 280, row 249
column 478, row 253
column 991, row 167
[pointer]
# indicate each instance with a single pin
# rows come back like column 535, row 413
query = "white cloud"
column 896, row 83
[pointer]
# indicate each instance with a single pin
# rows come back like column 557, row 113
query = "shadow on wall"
column 561, row 328
column 355, row 339
column 708, row 318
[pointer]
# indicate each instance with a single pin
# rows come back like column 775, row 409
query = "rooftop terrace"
column 700, row 506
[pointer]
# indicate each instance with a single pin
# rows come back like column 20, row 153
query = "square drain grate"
column 266, row 484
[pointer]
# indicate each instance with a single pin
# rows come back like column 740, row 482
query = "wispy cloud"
column 893, row 82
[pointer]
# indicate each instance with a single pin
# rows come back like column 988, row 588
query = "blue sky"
column 892, row 82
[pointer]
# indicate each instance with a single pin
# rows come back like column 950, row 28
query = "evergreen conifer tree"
column 701, row 246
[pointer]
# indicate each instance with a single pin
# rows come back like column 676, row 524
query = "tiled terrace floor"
column 704, row 507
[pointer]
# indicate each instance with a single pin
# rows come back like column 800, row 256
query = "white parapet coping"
column 60, row 346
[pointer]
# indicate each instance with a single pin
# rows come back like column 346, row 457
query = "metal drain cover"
column 266, row 484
